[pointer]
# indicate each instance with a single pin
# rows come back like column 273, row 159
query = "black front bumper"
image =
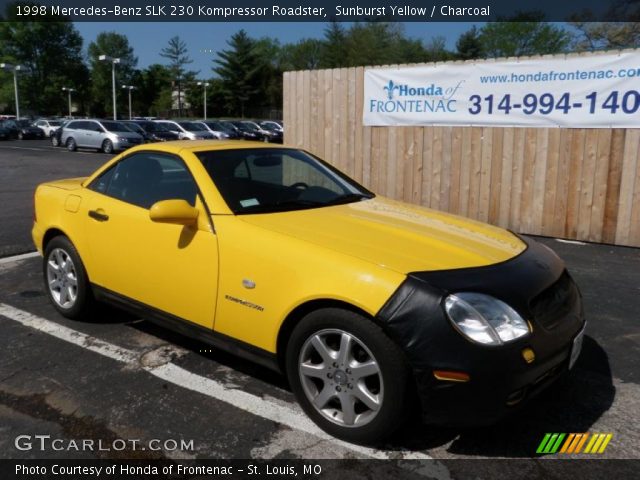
column 536, row 284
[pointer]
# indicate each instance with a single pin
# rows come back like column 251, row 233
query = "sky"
column 205, row 39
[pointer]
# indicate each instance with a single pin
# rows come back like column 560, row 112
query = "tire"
column 333, row 379
column 20, row 136
column 55, row 141
column 65, row 279
column 71, row 144
column 107, row 146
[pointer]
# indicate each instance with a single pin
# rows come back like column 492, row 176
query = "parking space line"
column 17, row 258
column 35, row 149
column 289, row 415
column 43, row 149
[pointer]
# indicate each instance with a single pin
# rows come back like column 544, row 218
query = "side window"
column 101, row 183
column 146, row 178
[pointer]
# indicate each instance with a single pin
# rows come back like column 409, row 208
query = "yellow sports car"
column 271, row 253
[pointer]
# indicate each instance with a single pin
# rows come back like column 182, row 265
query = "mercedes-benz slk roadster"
column 364, row 303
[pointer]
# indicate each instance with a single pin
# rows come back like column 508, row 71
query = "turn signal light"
column 528, row 355
column 451, row 376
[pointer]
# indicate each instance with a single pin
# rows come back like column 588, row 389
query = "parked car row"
column 109, row 135
column 20, row 129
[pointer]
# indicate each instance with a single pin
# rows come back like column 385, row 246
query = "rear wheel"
column 66, row 280
column 347, row 375
column 107, row 146
column 71, row 144
column 20, row 136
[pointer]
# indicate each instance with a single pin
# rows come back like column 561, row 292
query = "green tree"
column 373, row 43
column 270, row 74
column 525, row 33
column 436, row 50
column 154, row 90
column 606, row 35
column 176, row 53
column 469, row 45
column 305, row 54
column 239, row 69
column 113, row 45
column 334, row 50
column 51, row 54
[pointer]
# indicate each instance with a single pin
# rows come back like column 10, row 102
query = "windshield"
column 23, row 123
column 269, row 126
column 261, row 180
column 54, row 123
column 217, row 126
column 134, row 127
column 114, row 127
column 153, row 127
column 251, row 126
column 240, row 126
column 193, row 127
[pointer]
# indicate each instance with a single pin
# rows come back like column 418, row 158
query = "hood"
column 395, row 235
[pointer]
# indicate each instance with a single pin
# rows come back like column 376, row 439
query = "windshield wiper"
column 280, row 206
column 348, row 198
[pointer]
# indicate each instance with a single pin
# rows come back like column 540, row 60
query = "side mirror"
column 173, row 211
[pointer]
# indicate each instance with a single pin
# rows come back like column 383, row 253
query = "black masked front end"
column 536, row 284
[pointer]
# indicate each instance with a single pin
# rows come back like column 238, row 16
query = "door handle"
column 97, row 215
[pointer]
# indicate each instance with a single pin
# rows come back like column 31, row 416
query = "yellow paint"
column 591, row 443
column 606, row 441
column 357, row 253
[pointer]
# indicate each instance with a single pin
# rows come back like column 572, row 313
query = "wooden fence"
column 579, row 184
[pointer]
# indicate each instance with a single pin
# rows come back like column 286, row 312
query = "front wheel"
column 107, row 146
column 348, row 375
column 66, row 280
column 55, row 141
column 71, row 145
column 20, row 136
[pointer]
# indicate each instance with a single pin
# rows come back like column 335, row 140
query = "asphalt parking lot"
column 120, row 377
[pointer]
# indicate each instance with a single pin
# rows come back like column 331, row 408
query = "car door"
column 93, row 135
column 170, row 267
column 80, row 133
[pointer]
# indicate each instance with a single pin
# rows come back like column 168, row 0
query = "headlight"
column 123, row 139
column 484, row 319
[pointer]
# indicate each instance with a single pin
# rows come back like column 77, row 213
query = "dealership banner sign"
column 596, row 91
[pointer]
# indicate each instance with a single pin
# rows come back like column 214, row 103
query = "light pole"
column 69, row 90
column 205, row 85
column 129, row 87
column 15, row 69
column 107, row 58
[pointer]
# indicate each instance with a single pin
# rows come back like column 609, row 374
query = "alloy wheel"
column 62, row 278
column 341, row 378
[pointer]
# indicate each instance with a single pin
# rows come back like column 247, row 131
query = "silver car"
column 213, row 129
column 187, row 130
column 107, row 136
column 47, row 126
